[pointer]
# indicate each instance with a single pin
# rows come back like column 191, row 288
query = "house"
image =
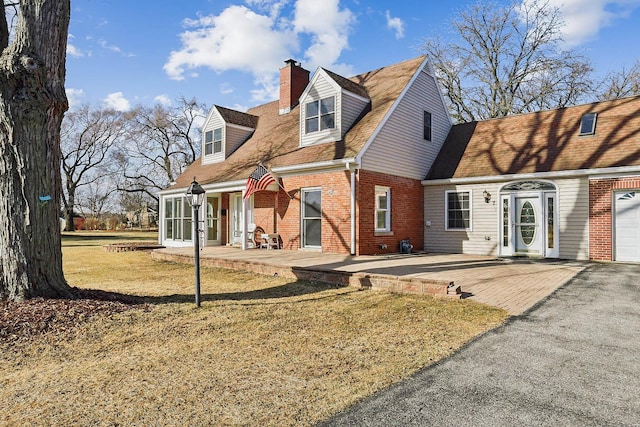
column 348, row 156
column 563, row 183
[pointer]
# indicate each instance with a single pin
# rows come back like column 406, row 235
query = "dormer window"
column 320, row 115
column 213, row 141
column 588, row 124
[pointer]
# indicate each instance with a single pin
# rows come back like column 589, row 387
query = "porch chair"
column 270, row 241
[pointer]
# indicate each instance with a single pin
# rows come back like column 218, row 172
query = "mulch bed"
column 25, row 320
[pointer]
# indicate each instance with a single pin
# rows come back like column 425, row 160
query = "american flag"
column 259, row 180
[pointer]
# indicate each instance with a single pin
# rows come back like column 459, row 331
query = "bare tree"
column 507, row 60
column 162, row 142
column 87, row 137
column 621, row 84
column 32, row 104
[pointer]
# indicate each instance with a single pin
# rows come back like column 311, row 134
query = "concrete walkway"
column 514, row 285
column 571, row 361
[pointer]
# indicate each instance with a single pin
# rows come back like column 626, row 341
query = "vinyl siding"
column 214, row 121
column 483, row 238
column 324, row 87
column 399, row 148
column 352, row 107
column 235, row 137
column 573, row 202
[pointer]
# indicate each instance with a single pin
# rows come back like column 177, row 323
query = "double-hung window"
column 213, row 141
column 383, row 209
column 320, row 115
column 458, row 210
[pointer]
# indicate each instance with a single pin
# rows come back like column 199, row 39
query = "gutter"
column 613, row 172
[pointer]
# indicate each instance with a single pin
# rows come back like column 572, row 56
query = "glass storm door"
column 312, row 218
column 528, row 233
column 236, row 219
column 213, row 220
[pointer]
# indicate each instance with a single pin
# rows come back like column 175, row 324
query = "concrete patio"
column 514, row 285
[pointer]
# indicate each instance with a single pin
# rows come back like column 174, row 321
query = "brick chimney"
column 293, row 81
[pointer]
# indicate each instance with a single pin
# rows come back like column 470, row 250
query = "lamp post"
column 195, row 197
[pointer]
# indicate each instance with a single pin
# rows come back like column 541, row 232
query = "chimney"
column 293, row 81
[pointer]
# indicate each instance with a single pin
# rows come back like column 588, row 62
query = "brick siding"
column 601, row 207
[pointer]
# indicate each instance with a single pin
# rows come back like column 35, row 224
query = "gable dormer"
column 224, row 131
column 329, row 106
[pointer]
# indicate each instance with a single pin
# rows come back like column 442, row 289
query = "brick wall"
column 600, row 214
column 407, row 213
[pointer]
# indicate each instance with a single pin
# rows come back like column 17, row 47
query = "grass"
column 260, row 351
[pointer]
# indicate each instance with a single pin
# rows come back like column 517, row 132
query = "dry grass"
column 260, row 351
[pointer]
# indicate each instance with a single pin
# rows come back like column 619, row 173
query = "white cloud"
column 74, row 96
column 108, row 46
column 162, row 99
column 329, row 27
column 117, row 101
column 237, row 39
column 585, row 18
column 395, row 24
column 240, row 38
column 74, row 51
column 226, row 88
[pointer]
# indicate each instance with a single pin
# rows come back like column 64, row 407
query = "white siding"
column 323, row 87
column 573, row 202
column 352, row 107
column 399, row 148
column 214, row 121
column 483, row 238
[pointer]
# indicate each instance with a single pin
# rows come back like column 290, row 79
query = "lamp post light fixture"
column 195, row 197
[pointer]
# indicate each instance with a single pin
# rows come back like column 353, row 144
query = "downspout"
column 353, row 209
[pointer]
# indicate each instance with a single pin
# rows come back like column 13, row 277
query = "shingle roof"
column 546, row 141
column 275, row 142
column 237, row 117
column 347, row 84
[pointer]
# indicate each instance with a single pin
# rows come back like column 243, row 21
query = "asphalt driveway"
column 573, row 360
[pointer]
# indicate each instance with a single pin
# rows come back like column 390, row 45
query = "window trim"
column 317, row 118
column 446, row 210
column 583, row 121
column 427, row 131
column 379, row 190
column 210, row 141
column 181, row 219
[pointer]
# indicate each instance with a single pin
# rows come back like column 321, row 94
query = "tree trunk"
column 32, row 104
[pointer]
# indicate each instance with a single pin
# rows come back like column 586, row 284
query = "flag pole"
column 277, row 181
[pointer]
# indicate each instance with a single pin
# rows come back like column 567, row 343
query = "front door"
column 528, row 226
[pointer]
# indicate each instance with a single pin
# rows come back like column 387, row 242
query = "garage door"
column 627, row 226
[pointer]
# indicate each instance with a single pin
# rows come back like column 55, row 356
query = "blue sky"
column 124, row 53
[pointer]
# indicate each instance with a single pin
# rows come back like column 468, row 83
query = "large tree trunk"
column 32, row 104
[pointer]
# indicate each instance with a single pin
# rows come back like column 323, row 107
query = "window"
column 177, row 219
column 320, row 115
column 383, row 209
column 588, row 124
column 427, row 126
column 213, row 141
column 458, row 210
